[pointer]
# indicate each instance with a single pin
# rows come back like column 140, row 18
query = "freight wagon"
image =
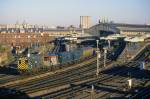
column 71, row 56
column 87, row 51
column 65, row 57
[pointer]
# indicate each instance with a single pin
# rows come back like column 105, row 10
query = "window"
column 26, row 61
column 19, row 61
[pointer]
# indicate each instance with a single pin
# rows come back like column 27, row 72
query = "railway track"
column 140, row 81
column 62, row 78
column 66, row 92
column 143, row 94
column 103, row 79
column 146, row 90
column 4, row 78
column 49, row 82
column 20, row 77
column 78, row 74
column 144, row 55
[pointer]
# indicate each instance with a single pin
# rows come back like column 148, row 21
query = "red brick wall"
column 22, row 38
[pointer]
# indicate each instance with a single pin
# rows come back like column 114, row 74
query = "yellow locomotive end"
column 22, row 64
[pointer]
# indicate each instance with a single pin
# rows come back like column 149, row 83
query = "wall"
column 24, row 38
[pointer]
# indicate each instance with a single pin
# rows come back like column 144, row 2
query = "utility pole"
column 142, row 65
column 105, row 53
column 92, row 92
column 98, row 56
column 109, row 43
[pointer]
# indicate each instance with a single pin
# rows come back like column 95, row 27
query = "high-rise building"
column 85, row 22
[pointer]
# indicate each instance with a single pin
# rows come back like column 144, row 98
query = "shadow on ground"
column 6, row 93
column 9, row 71
column 133, row 72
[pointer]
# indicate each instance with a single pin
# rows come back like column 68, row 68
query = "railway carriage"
column 34, row 62
column 72, row 56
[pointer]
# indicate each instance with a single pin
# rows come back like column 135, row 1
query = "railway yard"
column 74, row 49
column 78, row 80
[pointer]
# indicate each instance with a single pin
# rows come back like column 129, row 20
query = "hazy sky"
column 66, row 12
